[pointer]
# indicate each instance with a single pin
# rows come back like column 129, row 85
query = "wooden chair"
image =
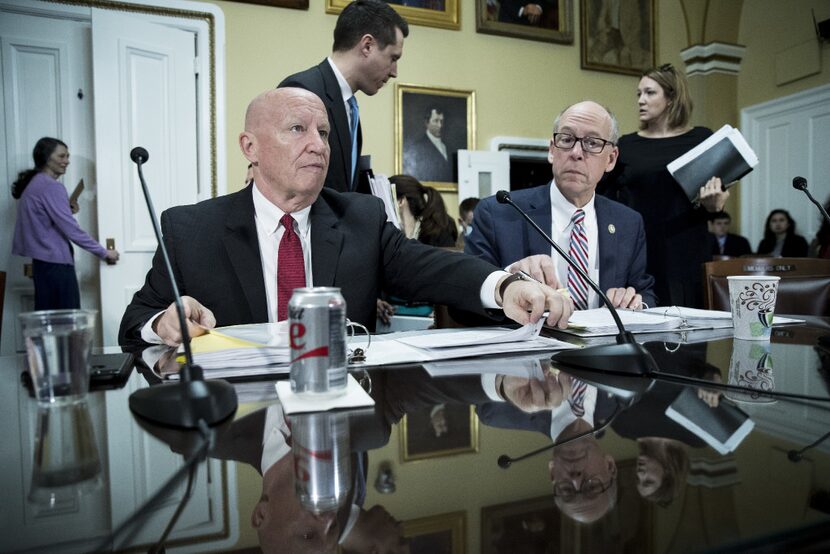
column 804, row 288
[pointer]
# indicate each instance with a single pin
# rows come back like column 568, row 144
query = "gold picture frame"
column 629, row 49
column 504, row 18
column 438, row 533
column 419, row 441
column 414, row 155
column 292, row 4
column 443, row 14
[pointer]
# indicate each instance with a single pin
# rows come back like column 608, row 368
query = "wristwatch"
column 520, row 276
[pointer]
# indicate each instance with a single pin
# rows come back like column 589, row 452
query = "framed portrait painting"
column 618, row 37
column 431, row 126
column 440, row 430
column 293, row 4
column 430, row 13
column 440, row 534
column 544, row 20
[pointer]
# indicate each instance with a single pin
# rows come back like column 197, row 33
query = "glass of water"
column 58, row 343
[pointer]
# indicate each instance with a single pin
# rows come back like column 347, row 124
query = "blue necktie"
column 355, row 121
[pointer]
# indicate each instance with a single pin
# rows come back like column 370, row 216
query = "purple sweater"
column 45, row 224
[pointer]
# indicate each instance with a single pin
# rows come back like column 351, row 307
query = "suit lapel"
column 341, row 134
column 606, row 245
column 326, row 244
column 242, row 245
column 539, row 211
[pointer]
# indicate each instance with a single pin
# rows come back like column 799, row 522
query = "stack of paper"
column 262, row 344
column 599, row 322
column 694, row 318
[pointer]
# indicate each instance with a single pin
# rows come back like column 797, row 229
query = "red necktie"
column 290, row 266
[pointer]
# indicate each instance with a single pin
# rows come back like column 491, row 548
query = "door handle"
column 110, row 244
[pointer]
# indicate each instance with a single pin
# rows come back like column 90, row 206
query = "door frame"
column 206, row 22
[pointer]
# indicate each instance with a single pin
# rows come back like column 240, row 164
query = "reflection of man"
column 721, row 241
column 368, row 41
column 607, row 236
column 428, row 158
column 228, row 257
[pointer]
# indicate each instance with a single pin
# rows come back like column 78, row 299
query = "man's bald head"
column 286, row 140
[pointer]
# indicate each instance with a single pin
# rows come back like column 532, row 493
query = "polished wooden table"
column 426, row 456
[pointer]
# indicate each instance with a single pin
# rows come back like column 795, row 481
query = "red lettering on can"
column 321, row 352
column 297, row 332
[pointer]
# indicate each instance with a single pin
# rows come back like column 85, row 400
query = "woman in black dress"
column 780, row 238
column 676, row 230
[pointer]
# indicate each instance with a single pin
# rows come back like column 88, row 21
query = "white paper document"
column 599, row 322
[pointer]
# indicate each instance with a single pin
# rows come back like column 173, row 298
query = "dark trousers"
column 56, row 286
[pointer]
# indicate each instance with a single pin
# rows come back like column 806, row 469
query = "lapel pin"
column 611, row 228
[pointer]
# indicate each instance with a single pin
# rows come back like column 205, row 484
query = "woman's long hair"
column 40, row 154
column 426, row 204
column 672, row 457
column 676, row 89
column 769, row 236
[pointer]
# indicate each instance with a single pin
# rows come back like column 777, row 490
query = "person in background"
column 368, row 42
column 676, row 230
column 820, row 247
column 780, row 239
column 423, row 214
column 662, row 465
column 45, row 228
column 721, row 241
column 423, row 217
column 466, row 211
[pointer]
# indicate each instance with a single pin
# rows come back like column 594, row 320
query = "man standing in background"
column 368, row 42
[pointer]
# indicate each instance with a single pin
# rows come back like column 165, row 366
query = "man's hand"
column 198, row 319
column 532, row 12
column 626, row 298
column 385, row 311
column 525, row 301
column 540, row 267
column 712, row 195
column 535, row 395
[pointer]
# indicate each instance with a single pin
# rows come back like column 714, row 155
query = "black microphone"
column 625, row 358
column 796, row 455
column 800, row 183
column 192, row 399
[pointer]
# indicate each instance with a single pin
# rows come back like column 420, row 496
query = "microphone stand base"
column 628, row 358
column 184, row 403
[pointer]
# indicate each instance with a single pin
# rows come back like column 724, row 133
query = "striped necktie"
column 355, row 121
column 579, row 254
column 577, row 397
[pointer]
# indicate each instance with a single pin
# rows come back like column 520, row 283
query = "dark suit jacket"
column 501, row 237
column 425, row 162
column 795, row 246
column 214, row 252
column 735, row 246
column 321, row 81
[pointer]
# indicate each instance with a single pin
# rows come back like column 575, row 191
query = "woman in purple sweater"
column 45, row 227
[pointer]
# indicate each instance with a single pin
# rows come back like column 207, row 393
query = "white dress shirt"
column 561, row 213
column 345, row 90
column 438, row 144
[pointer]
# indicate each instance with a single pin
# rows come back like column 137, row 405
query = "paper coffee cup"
column 752, row 301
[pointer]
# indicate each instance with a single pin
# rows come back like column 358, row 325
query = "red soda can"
column 317, row 335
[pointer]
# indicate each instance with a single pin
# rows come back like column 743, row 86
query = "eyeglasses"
column 566, row 141
column 590, row 489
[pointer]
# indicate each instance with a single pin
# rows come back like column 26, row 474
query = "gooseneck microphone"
column 191, row 399
column 797, row 455
column 800, row 183
column 627, row 357
column 506, row 461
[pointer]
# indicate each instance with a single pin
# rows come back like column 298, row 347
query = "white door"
column 790, row 135
column 145, row 90
column 482, row 173
column 45, row 90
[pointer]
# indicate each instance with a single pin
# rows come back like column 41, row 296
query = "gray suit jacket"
column 500, row 236
column 214, row 252
column 321, row 81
